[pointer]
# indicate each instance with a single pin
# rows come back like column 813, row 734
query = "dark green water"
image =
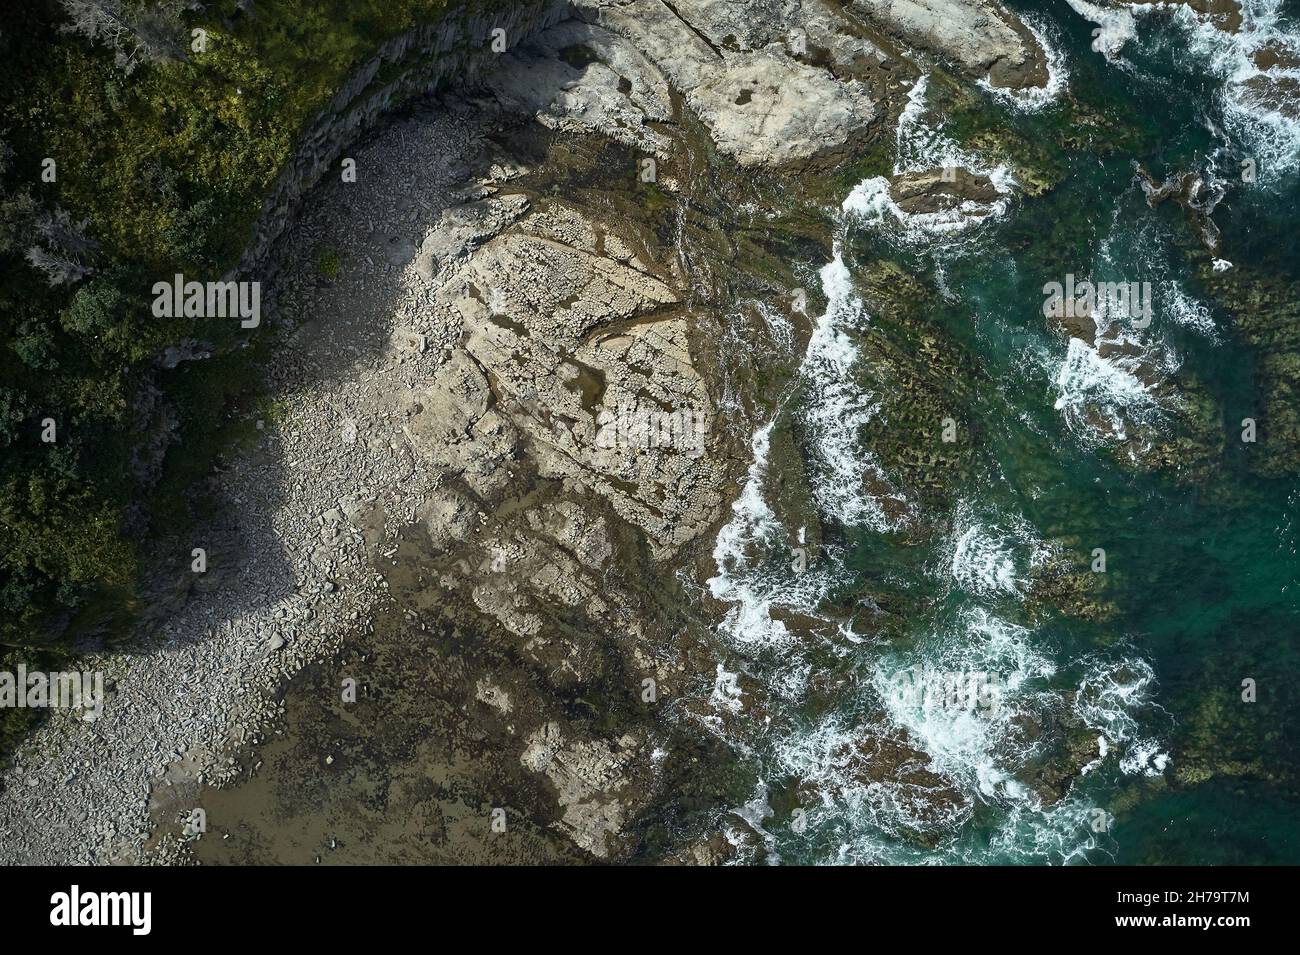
column 1201, row 561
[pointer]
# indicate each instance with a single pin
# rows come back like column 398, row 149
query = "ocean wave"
column 1258, row 63
column 897, row 776
column 1098, row 396
column 848, row 482
column 928, row 732
column 753, row 550
column 1115, row 27
column 1117, row 378
column 984, row 558
column 1109, row 697
column 846, row 791
column 1184, row 310
column 872, row 203
column 966, row 729
column 739, row 549
column 920, row 147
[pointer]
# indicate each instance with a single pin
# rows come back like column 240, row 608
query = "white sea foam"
column 1181, row 309
column 1250, row 110
column 752, row 528
column 977, row 754
column 1061, row 833
column 871, row 201
column 921, row 147
column 981, row 563
column 972, row 744
column 1250, row 95
column 1108, row 697
column 1088, row 383
column 833, row 759
column 973, row 754
column 917, row 145
column 1135, row 251
column 752, row 520
column 727, row 694
column 1115, row 26
column 752, row 551
column 986, row 559
column 837, row 409
column 1105, row 386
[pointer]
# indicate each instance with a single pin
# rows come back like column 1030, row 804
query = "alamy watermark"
column 182, row 299
column 633, row 425
column 1086, row 299
column 925, row 688
column 130, row 909
column 38, row 689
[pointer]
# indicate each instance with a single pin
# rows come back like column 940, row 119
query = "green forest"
column 138, row 139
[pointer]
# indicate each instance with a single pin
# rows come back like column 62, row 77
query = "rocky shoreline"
column 505, row 270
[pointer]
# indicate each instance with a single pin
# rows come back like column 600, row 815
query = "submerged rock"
column 901, row 784
column 940, row 190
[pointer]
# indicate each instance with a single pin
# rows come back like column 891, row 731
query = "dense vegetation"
column 162, row 150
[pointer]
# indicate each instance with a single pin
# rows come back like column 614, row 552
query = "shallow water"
column 1203, row 572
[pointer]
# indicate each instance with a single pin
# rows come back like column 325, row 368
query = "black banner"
column 305, row 905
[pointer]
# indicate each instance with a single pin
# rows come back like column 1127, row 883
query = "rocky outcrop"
column 580, row 78
column 982, row 37
column 938, row 190
column 901, row 783
column 1198, row 199
column 743, row 71
column 596, row 783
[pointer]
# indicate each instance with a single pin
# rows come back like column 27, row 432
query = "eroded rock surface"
column 983, row 37
column 745, row 69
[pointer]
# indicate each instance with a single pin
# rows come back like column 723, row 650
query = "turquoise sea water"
column 1203, row 571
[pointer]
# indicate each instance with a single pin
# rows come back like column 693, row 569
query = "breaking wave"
column 922, row 734
column 920, row 147
column 1258, row 64
column 986, row 559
